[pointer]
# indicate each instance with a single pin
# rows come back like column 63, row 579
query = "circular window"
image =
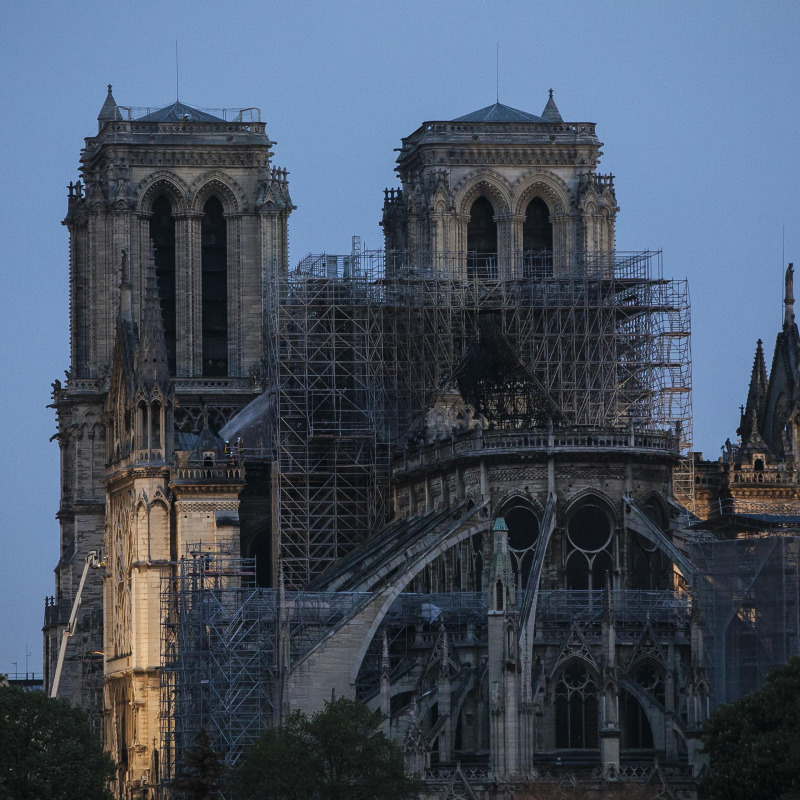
column 589, row 528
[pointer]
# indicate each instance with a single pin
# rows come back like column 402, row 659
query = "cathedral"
column 451, row 478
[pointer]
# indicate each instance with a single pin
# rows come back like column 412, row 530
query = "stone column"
column 609, row 721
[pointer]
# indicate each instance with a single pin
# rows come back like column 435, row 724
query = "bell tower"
column 192, row 199
column 503, row 194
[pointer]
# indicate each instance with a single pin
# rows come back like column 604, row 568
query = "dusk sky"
column 698, row 104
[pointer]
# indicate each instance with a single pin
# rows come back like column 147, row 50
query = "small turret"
column 109, row 112
column 503, row 595
column 788, row 300
column 551, row 112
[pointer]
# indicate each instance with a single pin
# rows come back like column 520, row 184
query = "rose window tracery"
column 589, row 540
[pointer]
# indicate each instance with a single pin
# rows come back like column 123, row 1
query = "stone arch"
column 538, row 183
column 219, row 184
column 166, row 183
column 387, row 598
column 566, row 658
column 159, row 498
column 590, row 493
column 487, row 184
column 141, row 501
column 513, row 496
column 654, row 497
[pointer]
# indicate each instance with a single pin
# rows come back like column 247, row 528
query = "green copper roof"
column 499, row 113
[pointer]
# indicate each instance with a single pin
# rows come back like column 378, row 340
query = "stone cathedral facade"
column 442, row 477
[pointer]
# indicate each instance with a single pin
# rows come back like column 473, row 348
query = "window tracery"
column 576, row 708
column 523, row 533
column 589, row 547
column 481, row 239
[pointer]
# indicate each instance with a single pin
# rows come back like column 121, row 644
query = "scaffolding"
column 220, row 642
column 219, row 655
column 749, row 596
column 362, row 346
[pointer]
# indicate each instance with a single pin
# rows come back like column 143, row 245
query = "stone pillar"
column 696, row 692
column 609, row 721
column 503, row 666
column 444, row 688
column 386, row 687
column 670, row 743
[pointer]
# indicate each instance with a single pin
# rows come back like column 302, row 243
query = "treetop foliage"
column 339, row 753
column 48, row 750
column 202, row 770
column 753, row 745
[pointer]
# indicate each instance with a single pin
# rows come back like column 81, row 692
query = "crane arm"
column 92, row 560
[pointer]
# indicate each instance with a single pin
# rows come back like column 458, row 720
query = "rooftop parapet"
column 541, row 442
column 179, row 112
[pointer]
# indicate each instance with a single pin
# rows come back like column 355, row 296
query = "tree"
column 340, row 753
column 202, row 769
column 48, row 750
column 753, row 745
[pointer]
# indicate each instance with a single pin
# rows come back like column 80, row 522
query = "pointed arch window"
column 523, row 532
column 576, row 708
column 155, row 426
column 636, row 731
column 589, row 538
column 650, row 568
column 142, row 426
column 162, row 234
column 537, row 239
column 214, row 256
column 481, row 240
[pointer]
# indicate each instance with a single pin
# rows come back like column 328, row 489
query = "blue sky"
column 697, row 103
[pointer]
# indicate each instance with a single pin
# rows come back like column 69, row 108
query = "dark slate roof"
column 179, row 112
column 499, row 113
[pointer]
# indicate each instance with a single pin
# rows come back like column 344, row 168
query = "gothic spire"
column 152, row 364
column 756, row 396
column 551, row 112
column 788, row 300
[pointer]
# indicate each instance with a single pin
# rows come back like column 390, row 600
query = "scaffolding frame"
column 219, row 655
column 362, row 346
column 748, row 590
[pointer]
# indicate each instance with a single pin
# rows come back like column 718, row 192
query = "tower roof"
column 109, row 111
column 179, row 112
column 500, row 113
column 551, row 112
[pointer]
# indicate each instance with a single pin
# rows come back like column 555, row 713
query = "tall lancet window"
column 481, row 240
column 537, row 238
column 162, row 234
column 215, row 289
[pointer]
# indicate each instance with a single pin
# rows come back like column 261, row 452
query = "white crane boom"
column 92, row 560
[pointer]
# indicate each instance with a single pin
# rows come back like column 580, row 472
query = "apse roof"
column 179, row 112
column 499, row 113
